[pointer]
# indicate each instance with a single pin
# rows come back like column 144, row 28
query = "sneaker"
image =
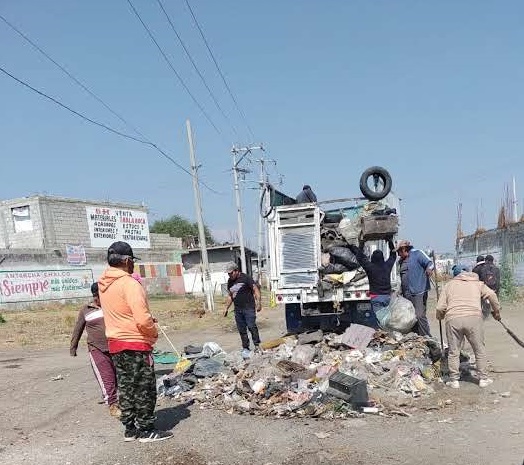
column 114, row 411
column 485, row 382
column 454, row 384
column 130, row 434
column 257, row 350
column 154, row 435
column 246, row 353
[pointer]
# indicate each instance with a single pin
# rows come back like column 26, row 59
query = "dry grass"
column 51, row 325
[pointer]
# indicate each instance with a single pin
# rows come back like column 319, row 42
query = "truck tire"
column 378, row 174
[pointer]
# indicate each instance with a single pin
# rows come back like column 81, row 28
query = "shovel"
column 512, row 334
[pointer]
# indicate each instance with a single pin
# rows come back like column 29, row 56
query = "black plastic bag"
column 344, row 256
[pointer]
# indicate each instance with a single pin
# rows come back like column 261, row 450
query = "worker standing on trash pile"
column 378, row 271
column 131, row 333
column 91, row 318
column 459, row 306
column 415, row 269
column 245, row 295
column 306, row 195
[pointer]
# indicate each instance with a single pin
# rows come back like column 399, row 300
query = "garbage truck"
column 312, row 272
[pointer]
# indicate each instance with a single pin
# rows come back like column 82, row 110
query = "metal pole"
column 437, row 290
column 208, row 288
column 239, row 213
column 260, row 219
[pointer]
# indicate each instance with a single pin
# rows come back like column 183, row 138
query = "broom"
column 183, row 364
column 512, row 334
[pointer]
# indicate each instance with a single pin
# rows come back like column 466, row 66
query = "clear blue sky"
column 430, row 90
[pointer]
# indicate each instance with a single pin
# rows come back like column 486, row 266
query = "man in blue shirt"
column 415, row 270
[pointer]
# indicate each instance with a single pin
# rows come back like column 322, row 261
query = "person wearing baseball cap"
column 131, row 333
column 245, row 295
column 415, row 269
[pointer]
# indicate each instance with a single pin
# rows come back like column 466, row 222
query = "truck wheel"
column 381, row 183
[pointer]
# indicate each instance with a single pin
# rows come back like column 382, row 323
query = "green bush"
column 2, row 319
column 508, row 288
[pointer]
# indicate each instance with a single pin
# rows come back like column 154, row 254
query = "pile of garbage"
column 338, row 230
column 312, row 375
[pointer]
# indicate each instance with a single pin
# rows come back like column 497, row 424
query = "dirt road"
column 59, row 422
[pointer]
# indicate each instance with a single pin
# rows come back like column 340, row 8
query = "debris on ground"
column 57, row 378
column 326, row 379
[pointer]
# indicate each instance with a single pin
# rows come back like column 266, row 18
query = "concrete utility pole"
column 208, row 286
column 239, row 153
column 263, row 183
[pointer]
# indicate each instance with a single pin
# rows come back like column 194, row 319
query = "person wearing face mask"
column 131, row 333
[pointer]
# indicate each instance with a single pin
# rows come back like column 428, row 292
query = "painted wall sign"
column 107, row 225
column 39, row 285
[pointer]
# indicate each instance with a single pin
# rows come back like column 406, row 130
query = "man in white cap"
column 245, row 295
column 415, row 269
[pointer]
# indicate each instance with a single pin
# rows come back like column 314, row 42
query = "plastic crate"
column 376, row 227
column 348, row 388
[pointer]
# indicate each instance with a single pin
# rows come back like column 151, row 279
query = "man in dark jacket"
column 489, row 274
column 378, row 271
column 479, row 265
column 91, row 318
column 306, row 195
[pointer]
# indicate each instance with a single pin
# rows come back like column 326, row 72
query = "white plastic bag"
column 398, row 316
column 350, row 230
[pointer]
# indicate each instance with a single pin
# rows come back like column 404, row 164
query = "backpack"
column 490, row 276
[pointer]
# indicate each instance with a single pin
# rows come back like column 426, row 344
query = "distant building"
column 218, row 256
column 54, row 247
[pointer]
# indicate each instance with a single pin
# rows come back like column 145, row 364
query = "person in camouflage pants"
column 131, row 334
column 136, row 376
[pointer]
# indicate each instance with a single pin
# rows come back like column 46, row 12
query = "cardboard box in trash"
column 378, row 227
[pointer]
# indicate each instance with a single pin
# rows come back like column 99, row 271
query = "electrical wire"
column 71, row 76
column 188, row 54
column 102, row 125
column 197, row 24
column 175, row 72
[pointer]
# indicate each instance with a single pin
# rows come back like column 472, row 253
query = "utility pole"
column 208, row 287
column 263, row 183
column 239, row 153
column 515, row 204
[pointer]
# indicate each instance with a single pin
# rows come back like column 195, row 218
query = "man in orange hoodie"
column 131, row 333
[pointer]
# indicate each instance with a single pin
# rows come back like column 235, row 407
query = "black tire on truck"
column 377, row 173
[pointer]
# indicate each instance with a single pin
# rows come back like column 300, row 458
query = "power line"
column 102, row 125
column 197, row 24
column 168, row 61
column 71, row 76
column 188, row 54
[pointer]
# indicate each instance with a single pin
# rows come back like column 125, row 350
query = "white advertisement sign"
column 107, row 225
column 38, row 285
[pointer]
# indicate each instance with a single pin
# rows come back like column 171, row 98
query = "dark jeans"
column 135, row 373
column 377, row 303
column 246, row 319
column 419, row 301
